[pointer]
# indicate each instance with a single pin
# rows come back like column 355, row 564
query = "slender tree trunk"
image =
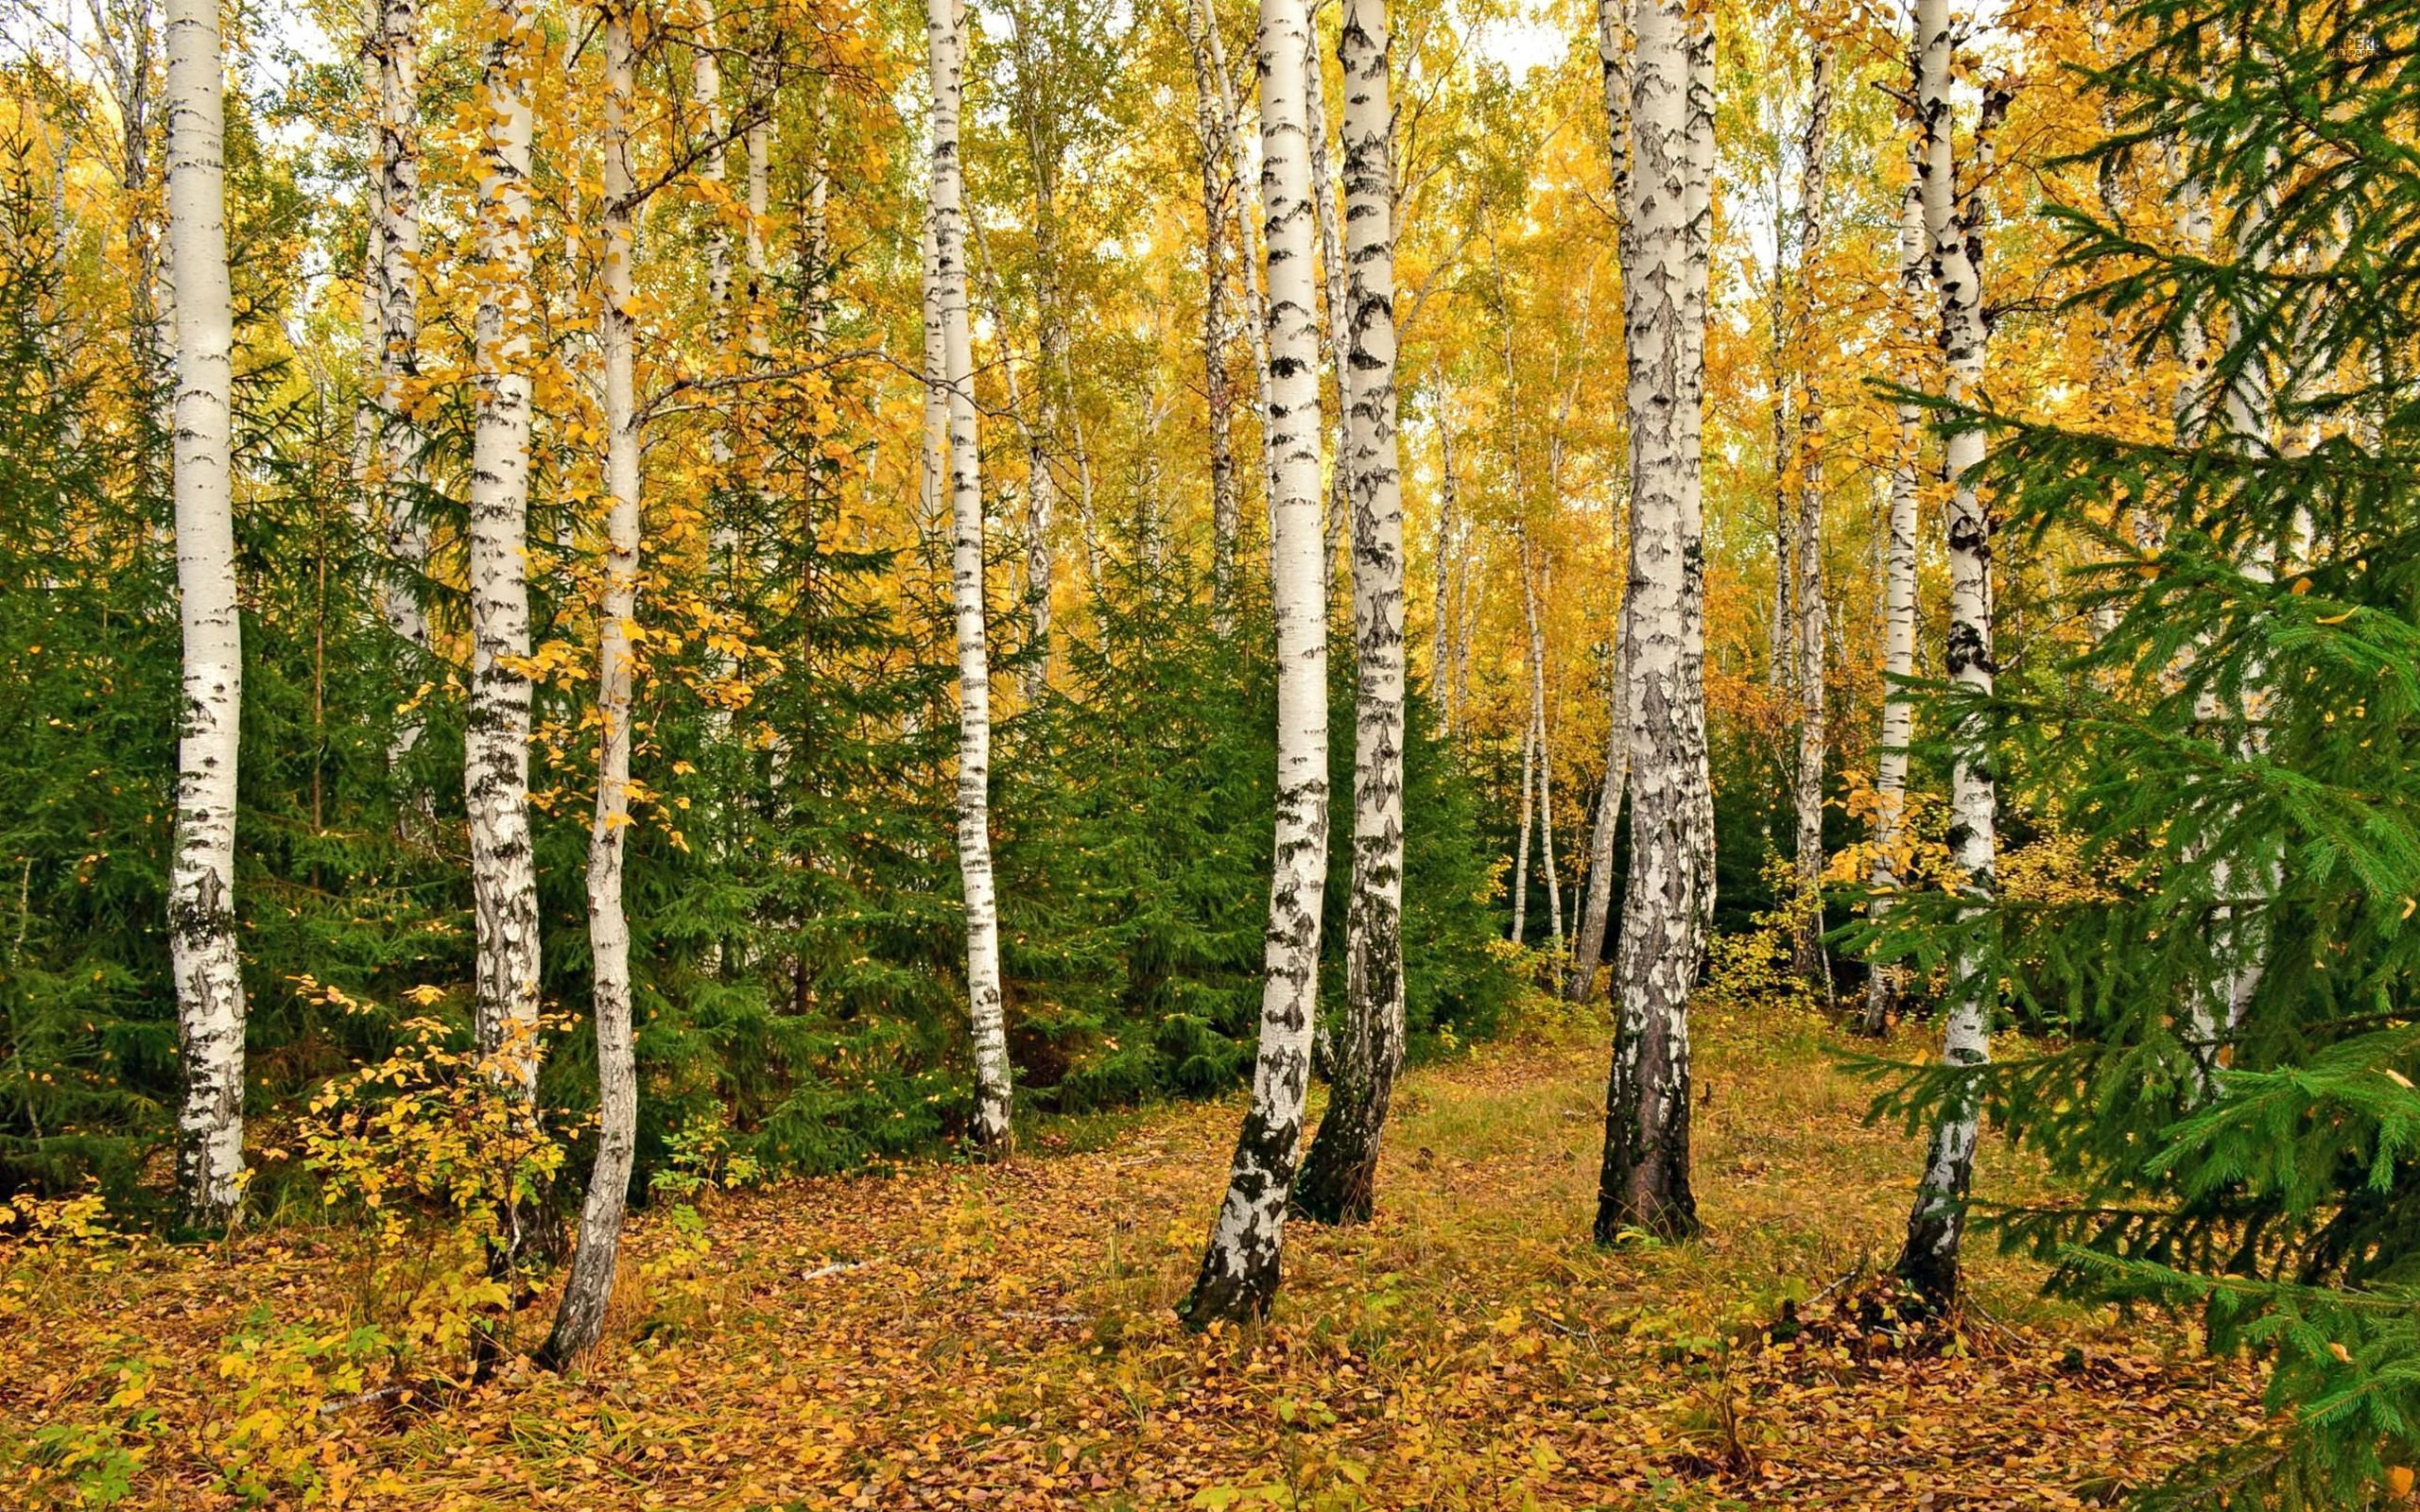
column 1899, row 594
column 1324, row 203
column 1645, row 1179
column 581, row 1315
column 504, row 878
column 1050, row 359
column 1521, row 852
column 398, row 238
column 1597, row 903
column 1217, row 384
column 932, row 495
column 944, row 32
column 1202, row 23
column 1935, row 1226
column 1240, row 1265
column 1544, row 751
column 1812, row 965
column 1339, row 1178
column 1449, row 546
column 201, row 882
column 1781, row 655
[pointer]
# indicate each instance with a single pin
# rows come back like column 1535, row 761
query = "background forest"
column 780, row 589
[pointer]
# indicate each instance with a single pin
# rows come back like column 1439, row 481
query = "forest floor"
column 952, row 1336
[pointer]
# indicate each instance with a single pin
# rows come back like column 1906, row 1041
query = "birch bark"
column 581, row 1314
column 1217, row 383
column 1324, row 203
column 1807, row 791
column 1339, row 1176
column 1899, row 594
column 1240, row 1265
column 1644, row 1182
column 201, row 882
column 1441, row 683
column 398, row 236
column 1929, row 1262
column 990, row 1129
column 495, row 776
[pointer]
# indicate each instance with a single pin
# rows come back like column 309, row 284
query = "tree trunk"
column 1544, row 751
column 1441, row 652
column 397, row 233
column 201, row 882
column 1240, row 1265
column 1521, row 851
column 1202, row 23
column 1645, row 1179
column 1050, row 359
column 1929, row 1262
column 944, row 32
column 1899, row 595
column 1324, row 198
column 932, row 493
column 1596, row 903
column 1812, row 965
column 582, row 1315
column 1218, row 385
column 503, row 879
column 1341, row 1176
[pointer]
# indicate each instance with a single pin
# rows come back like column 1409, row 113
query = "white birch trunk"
column 1240, row 1265
column 202, row 879
column 1644, row 1182
column 495, row 776
column 1935, row 1226
column 990, row 1130
column 933, row 487
column 1807, row 791
column 1899, row 594
column 1521, row 849
column 1544, row 751
column 1341, row 1175
column 1203, row 22
column 582, row 1315
column 1449, row 547
column 1595, row 903
column 1218, row 385
column 1324, row 206
column 397, row 236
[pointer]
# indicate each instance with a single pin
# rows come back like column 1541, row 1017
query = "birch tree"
column 397, row 236
column 1217, row 381
column 1644, row 1182
column 496, row 779
column 202, row 879
column 1339, row 1176
column 582, row 1315
column 1808, row 790
column 1930, row 1258
column 1596, row 902
column 1899, row 592
column 1240, row 1265
column 945, row 37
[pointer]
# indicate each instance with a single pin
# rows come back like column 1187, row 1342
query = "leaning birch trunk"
column 1218, row 385
column 1597, row 903
column 1807, row 792
column 1935, row 1225
column 1324, row 198
column 990, row 1126
column 495, row 765
column 1339, row 1176
column 1544, row 751
column 399, row 249
column 582, row 1315
column 1240, row 1265
column 201, row 882
column 1644, row 1184
column 1203, row 25
column 1899, row 597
